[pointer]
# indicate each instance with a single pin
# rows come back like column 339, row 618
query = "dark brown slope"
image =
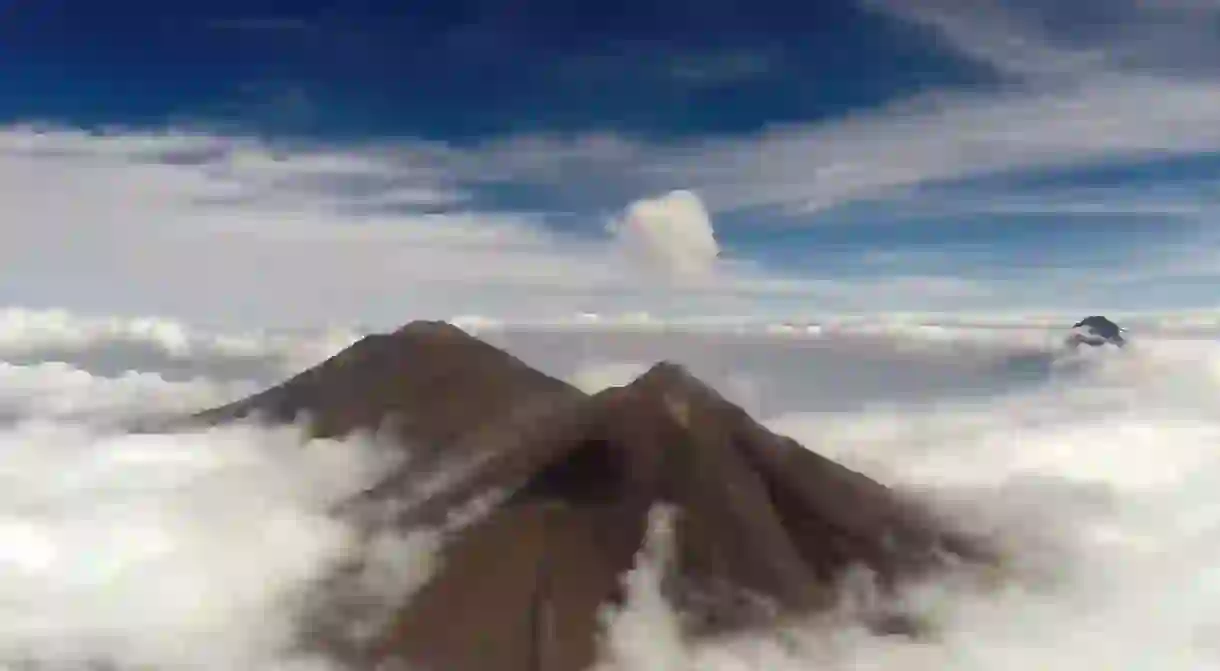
column 426, row 385
column 759, row 516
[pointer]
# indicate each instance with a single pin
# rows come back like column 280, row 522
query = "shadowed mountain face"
column 760, row 519
column 424, row 386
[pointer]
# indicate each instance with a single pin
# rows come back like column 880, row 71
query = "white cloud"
column 115, row 547
column 185, row 551
column 225, row 230
column 229, row 229
column 948, row 137
column 1045, row 40
column 239, row 231
column 1065, row 121
column 1099, row 485
column 997, row 33
column 672, row 233
column 1118, row 81
column 1074, row 92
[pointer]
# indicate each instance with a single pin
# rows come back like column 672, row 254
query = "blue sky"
column 468, row 69
column 921, row 155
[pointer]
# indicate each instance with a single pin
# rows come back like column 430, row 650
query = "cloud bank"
column 235, row 230
column 184, row 551
column 228, row 231
column 197, row 551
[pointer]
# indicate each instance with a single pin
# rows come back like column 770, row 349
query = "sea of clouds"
column 202, row 550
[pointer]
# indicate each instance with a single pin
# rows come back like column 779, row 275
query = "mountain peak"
column 760, row 519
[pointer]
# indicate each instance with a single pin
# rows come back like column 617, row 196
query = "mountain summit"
column 1096, row 331
column 763, row 526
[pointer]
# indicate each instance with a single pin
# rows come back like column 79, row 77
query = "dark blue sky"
column 462, row 69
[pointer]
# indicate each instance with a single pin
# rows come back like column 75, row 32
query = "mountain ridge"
column 759, row 517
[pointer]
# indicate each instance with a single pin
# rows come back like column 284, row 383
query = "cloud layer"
column 213, row 226
column 199, row 551
column 227, row 230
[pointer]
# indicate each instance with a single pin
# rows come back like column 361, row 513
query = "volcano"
column 763, row 526
column 1096, row 331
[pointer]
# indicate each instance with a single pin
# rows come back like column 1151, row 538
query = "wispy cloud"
column 234, row 227
column 222, row 228
column 1000, row 34
column 1076, row 91
column 1038, row 39
column 956, row 136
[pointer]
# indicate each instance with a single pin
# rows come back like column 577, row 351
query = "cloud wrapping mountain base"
column 199, row 551
column 1102, row 489
column 174, row 552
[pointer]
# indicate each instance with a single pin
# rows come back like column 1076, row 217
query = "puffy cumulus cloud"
column 671, row 233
